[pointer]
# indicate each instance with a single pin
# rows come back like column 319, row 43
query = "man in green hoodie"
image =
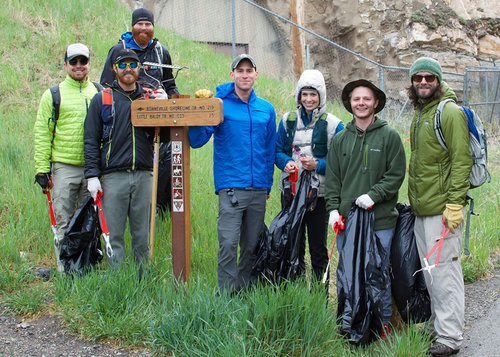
column 437, row 188
column 366, row 165
column 59, row 153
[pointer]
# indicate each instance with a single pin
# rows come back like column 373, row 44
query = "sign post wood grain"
column 178, row 114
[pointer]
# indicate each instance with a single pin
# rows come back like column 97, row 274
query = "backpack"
column 479, row 151
column 56, row 103
column 477, row 143
column 319, row 138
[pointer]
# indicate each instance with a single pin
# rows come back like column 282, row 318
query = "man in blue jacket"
column 244, row 146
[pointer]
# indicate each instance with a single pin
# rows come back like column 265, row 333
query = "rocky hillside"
column 458, row 33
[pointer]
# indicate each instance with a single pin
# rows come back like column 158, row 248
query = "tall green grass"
column 156, row 312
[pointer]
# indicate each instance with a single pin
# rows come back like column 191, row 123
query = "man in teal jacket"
column 437, row 188
column 59, row 153
column 366, row 165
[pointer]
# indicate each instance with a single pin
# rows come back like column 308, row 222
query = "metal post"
column 308, row 58
column 233, row 25
column 486, row 74
column 466, row 87
column 381, row 86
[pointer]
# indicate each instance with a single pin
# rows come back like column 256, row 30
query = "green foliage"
column 433, row 16
column 114, row 304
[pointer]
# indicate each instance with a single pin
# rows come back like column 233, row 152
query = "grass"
column 155, row 312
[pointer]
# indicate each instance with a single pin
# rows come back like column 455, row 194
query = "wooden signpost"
column 178, row 114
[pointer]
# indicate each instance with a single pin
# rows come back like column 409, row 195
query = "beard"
column 142, row 37
column 428, row 91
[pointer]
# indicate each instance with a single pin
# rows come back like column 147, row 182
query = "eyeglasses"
column 417, row 78
column 123, row 65
column 83, row 61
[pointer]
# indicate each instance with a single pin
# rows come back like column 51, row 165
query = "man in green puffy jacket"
column 59, row 141
column 437, row 188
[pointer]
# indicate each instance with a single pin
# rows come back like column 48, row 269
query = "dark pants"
column 316, row 224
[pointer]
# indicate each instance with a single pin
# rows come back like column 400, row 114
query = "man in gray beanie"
column 437, row 188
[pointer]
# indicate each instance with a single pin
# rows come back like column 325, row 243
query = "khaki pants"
column 447, row 287
column 69, row 188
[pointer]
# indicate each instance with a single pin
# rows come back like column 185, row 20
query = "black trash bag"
column 277, row 250
column 409, row 292
column 81, row 245
column 360, row 279
column 164, row 191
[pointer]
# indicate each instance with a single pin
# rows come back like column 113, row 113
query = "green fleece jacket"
column 372, row 162
column 437, row 177
column 67, row 144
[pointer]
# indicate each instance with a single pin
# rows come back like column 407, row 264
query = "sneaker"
column 441, row 350
column 386, row 331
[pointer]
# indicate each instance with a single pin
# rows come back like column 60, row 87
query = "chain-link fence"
column 237, row 26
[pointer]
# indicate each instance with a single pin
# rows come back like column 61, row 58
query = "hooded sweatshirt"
column 371, row 162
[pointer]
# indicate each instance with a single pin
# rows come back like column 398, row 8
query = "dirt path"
column 46, row 336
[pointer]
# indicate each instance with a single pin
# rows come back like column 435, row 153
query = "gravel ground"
column 46, row 336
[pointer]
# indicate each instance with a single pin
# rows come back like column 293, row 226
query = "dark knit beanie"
column 142, row 14
column 427, row 64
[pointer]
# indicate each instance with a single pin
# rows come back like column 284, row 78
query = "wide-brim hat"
column 124, row 54
column 349, row 87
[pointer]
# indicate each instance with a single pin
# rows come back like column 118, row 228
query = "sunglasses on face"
column 123, row 65
column 83, row 61
column 417, row 78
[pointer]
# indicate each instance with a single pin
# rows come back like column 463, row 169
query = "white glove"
column 364, row 201
column 94, row 186
column 334, row 218
column 159, row 94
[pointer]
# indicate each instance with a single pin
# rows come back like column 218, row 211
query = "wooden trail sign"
column 178, row 114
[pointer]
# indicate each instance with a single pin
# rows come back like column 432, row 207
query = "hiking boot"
column 386, row 331
column 441, row 350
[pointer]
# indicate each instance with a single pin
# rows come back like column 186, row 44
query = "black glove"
column 43, row 179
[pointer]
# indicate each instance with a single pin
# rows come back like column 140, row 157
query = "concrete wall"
column 210, row 21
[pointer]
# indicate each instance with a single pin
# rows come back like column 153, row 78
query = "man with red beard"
column 119, row 157
column 437, row 188
column 148, row 49
column 366, row 165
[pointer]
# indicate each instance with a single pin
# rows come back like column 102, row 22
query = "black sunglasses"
column 83, row 61
column 428, row 78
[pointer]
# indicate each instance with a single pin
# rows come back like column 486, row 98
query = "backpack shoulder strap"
column 56, row 102
column 98, row 86
column 437, row 123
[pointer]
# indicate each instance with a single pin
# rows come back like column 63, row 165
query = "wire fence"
column 244, row 26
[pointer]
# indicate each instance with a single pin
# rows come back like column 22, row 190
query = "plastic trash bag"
column 360, row 279
column 277, row 251
column 81, row 245
column 409, row 292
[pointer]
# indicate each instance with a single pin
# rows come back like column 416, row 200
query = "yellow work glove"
column 453, row 216
column 203, row 93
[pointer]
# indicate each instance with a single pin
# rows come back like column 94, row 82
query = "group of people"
column 96, row 149
column 363, row 164
column 90, row 145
